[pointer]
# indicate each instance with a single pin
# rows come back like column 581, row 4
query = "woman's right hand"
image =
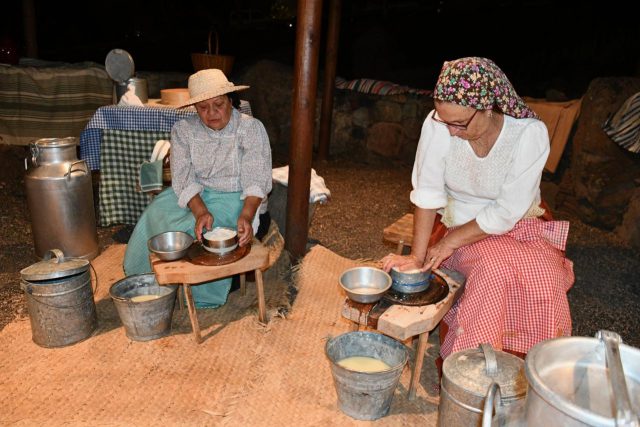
column 401, row 262
column 203, row 220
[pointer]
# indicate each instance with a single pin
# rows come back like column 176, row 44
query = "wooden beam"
column 29, row 22
column 331, row 60
column 305, row 81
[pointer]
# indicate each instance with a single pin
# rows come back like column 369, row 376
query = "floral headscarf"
column 479, row 83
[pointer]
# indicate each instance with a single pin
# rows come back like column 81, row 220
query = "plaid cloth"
column 158, row 119
column 516, row 290
column 121, row 202
column 378, row 87
column 49, row 102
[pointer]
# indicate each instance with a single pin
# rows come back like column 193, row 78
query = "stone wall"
column 369, row 127
column 377, row 127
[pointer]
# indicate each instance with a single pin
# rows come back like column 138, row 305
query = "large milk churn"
column 60, row 199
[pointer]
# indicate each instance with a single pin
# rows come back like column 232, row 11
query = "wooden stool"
column 400, row 233
column 185, row 273
column 403, row 322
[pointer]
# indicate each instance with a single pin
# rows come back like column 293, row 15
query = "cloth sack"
column 623, row 127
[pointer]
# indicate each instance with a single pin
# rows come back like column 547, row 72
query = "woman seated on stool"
column 479, row 163
column 221, row 175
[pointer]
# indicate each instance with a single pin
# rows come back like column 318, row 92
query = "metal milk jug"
column 468, row 376
column 60, row 199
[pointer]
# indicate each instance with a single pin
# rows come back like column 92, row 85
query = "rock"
column 387, row 111
column 361, row 117
column 603, row 173
column 629, row 230
column 270, row 97
column 385, row 139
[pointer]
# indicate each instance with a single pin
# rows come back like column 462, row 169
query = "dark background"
column 541, row 45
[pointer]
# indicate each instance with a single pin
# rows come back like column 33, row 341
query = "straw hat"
column 207, row 84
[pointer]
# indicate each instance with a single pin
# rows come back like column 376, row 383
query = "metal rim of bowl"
column 159, row 252
column 382, row 290
column 220, row 244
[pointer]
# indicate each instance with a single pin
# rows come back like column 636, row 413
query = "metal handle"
column 68, row 174
column 35, row 151
column 490, row 359
column 57, row 253
column 624, row 414
column 487, row 411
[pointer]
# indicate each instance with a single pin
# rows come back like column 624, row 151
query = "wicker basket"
column 203, row 61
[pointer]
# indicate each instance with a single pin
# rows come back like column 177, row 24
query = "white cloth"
column 496, row 190
column 130, row 97
column 318, row 191
column 160, row 150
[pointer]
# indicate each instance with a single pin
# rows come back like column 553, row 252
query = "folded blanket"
column 318, row 191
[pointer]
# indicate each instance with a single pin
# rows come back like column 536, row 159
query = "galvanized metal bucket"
column 148, row 320
column 466, row 379
column 365, row 395
column 59, row 300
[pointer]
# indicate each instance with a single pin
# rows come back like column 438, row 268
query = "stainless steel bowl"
column 220, row 246
column 408, row 282
column 170, row 245
column 365, row 284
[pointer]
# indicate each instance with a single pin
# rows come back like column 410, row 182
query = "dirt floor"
column 365, row 199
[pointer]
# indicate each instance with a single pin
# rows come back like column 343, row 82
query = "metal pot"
column 140, row 88
column 468, row 375
column 60, row 199
column 580, row 381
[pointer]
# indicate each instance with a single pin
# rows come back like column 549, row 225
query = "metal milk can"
column 467, row 377
column 60, row 199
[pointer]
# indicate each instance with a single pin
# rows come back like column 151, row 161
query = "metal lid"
column 56, row 142
column 119, row 65
column 54, row 268
column 474, row 370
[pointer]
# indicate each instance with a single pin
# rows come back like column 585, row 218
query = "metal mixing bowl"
column 374, row 281
column 170, row 245
column 408, row 282
column 219, row 246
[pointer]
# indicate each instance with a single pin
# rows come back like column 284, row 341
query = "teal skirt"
column 164, row 214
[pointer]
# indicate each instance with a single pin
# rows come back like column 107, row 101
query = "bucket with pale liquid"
column 365, row 395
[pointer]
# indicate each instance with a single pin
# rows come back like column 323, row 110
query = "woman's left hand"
column 245, row 231
column 437, row 254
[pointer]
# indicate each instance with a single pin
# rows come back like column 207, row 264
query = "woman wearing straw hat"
column 221, row 175
column 479, row 164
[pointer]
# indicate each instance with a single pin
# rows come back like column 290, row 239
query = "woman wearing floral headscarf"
column 479, row 163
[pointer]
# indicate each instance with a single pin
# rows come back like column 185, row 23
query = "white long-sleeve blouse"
column 496, row 190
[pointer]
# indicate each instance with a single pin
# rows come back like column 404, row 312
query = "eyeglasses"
column 454, row 125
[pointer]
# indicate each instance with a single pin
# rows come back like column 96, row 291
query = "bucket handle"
column 490, row 359
column 213, row 31
column 57, row 253
column 86, row 169
column 624, row 415
column 487, row 412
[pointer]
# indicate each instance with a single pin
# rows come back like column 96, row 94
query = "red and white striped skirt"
column 516, row 290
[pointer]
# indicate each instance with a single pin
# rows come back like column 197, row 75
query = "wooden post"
column 331, row 60
column 305, row 82
column 29, row 22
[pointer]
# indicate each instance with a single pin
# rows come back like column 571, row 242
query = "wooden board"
column 184, row 271
column 402, row 229
column 199, row 255
column 402, row 322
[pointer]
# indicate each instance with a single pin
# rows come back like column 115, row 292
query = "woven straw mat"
column 243, row 374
